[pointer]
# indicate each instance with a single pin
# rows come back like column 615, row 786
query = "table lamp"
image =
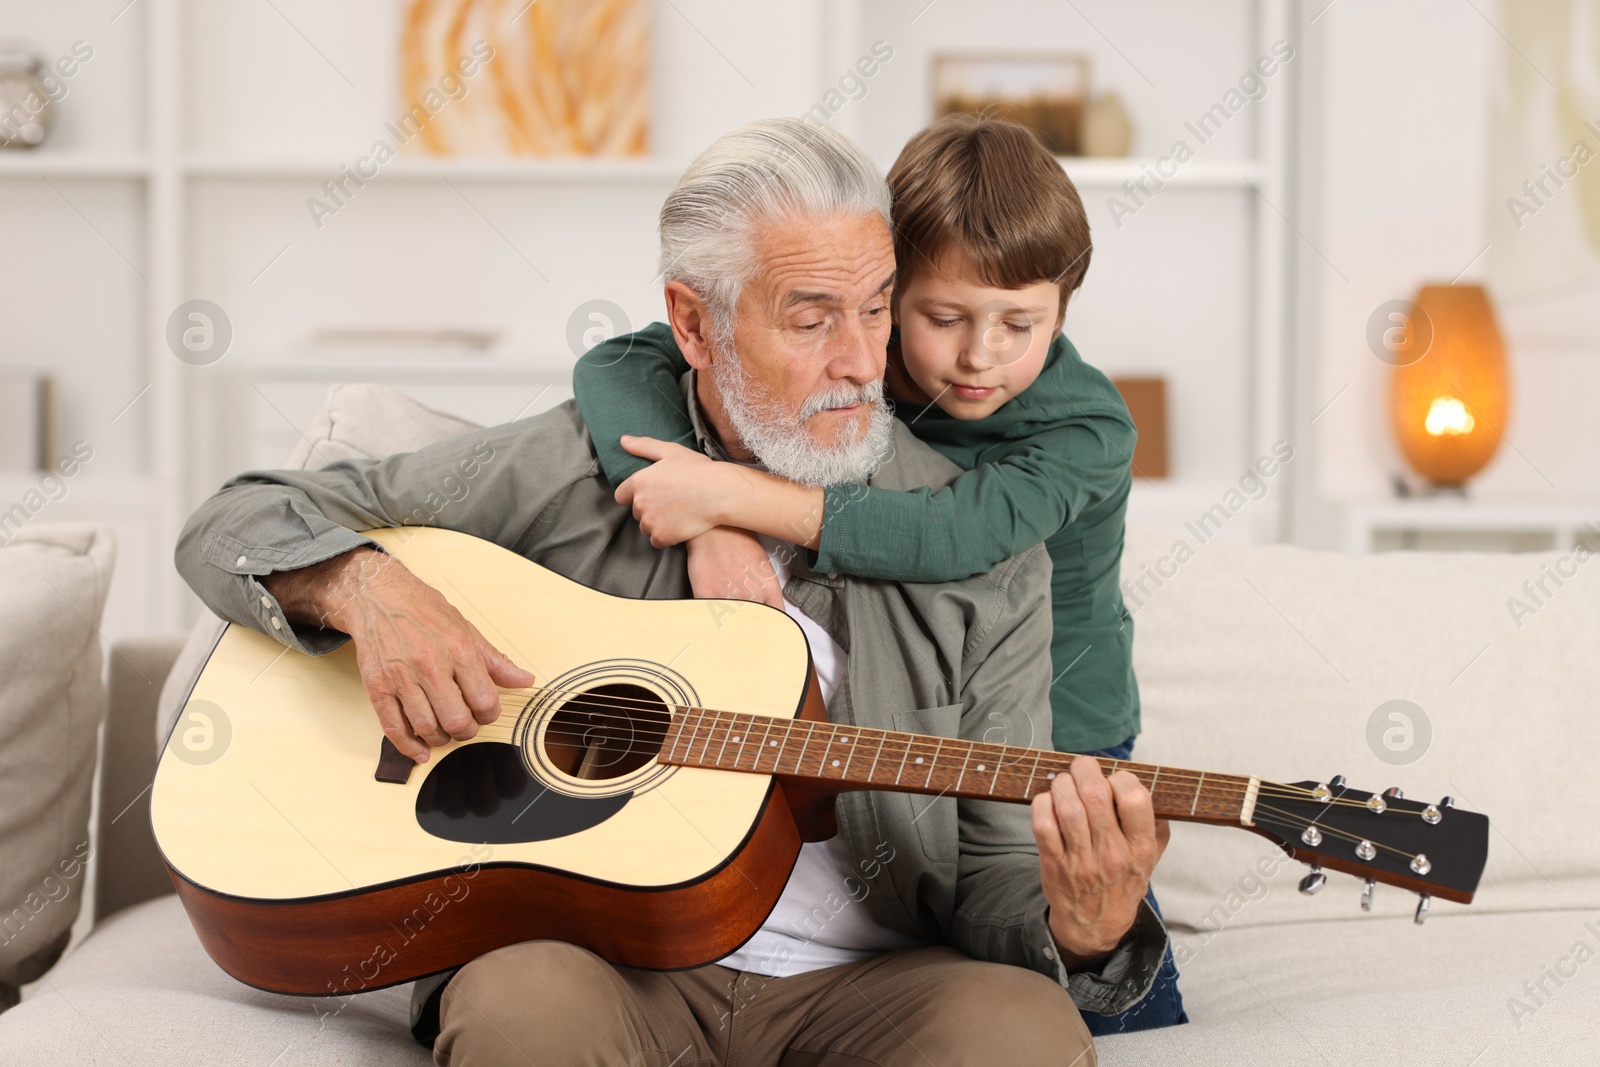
column 1450, row 405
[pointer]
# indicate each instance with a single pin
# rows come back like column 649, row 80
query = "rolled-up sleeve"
column 495, row 483
column 1001, row 911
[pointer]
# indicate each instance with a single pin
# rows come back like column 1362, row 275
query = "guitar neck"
column 862, row 758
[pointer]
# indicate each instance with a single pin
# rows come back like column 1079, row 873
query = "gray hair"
column 757, row 174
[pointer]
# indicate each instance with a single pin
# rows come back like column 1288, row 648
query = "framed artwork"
column 514, row 78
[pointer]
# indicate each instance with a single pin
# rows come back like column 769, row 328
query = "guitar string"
column 1180, row 775
column 1227, row 788
column 1233, row 787
column 918, row 743
column 1294, row 819
column 623, row 704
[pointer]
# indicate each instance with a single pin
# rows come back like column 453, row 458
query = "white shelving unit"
column 1458, row 523
column 181, row 162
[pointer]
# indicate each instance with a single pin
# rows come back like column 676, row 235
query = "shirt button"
column 240, row 562
column 1049, row 953
column 277, row 623
column 834, row 576
column 266, row 601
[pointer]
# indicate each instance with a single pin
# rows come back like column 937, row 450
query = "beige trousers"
column 551, row 1004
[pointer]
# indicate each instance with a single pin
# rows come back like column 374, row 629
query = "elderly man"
column 951, row 931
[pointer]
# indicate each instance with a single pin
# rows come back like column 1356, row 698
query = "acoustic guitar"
column 646, row 798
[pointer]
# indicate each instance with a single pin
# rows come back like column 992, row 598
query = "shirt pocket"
column 935, row 817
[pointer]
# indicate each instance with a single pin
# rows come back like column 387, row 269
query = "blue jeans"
column 1163, row 1005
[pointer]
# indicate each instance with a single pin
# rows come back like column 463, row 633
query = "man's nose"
column 857, row 353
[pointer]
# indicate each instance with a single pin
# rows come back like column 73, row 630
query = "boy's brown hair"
column 990, row 189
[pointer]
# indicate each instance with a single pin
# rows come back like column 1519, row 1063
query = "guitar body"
column 305, row 873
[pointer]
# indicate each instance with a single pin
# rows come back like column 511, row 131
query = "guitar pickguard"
column 484, row 793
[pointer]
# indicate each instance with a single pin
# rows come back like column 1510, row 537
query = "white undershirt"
column 820, row 920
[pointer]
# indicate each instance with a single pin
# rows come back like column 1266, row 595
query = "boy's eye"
column 1019, row 327
column 942, row 322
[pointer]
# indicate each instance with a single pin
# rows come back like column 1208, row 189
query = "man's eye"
column 876, row 311
column 811, row 325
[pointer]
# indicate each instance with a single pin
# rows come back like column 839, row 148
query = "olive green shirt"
column 1053, row 464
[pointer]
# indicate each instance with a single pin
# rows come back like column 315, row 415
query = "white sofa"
column 1269, row 661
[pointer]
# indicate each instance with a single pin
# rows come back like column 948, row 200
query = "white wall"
column 1396, row 191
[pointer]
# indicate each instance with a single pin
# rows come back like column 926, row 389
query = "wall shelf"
column 46, row 164
column 1467, row 523
column 1196, row 174
column 534, row 171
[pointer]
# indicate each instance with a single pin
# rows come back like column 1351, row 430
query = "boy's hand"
column 725, row 562
column 677, row 497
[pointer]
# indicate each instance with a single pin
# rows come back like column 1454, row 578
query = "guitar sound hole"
column 607, row 731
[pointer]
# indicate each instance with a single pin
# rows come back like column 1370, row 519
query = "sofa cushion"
column 1281, row 662
column 1466, row 990
column 357, row 421
column 143, row 991
column 53, row 582
column 1374, row 991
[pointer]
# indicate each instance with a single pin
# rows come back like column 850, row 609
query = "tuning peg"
column 1336, row 782
column 1366, row 894
column 1422, row 908
column 1311, row 883
column 1448, row 802
column 1394, row 792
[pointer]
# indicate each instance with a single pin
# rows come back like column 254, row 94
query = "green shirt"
column 1053, row 464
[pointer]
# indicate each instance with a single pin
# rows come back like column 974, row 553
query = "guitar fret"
column 995, row 780
column 777, row 758
column 931, row 761
column 1198, row 785
column 767, row 736
column 849, row 753
column 1028, row 789
column 876, row 756
column 964, row 761
column 822, row 760
column 905, row 754
column 800, row 760
column 685, row 733
column 725, row 738
column 705, row 748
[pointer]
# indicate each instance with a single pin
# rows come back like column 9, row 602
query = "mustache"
column 841, row 395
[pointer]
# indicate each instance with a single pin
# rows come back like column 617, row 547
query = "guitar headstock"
column 1430, row 849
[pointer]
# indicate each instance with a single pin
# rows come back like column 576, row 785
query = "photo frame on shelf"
column 1044, row 91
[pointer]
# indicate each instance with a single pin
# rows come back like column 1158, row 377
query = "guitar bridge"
column 393, row 765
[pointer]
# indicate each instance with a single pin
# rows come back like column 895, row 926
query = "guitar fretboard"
column 923, row 763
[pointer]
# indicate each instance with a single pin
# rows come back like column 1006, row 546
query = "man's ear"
column 690, row 320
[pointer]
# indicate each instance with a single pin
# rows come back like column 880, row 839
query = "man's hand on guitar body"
column 1098, row 842
column 431, row 676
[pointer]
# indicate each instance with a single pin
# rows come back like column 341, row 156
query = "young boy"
column 991, row 240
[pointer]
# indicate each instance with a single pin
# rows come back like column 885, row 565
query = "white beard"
column 777, row 434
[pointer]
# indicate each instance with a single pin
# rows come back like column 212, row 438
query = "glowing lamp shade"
column 1450, row 404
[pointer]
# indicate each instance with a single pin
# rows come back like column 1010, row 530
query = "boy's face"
column 967, row 346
